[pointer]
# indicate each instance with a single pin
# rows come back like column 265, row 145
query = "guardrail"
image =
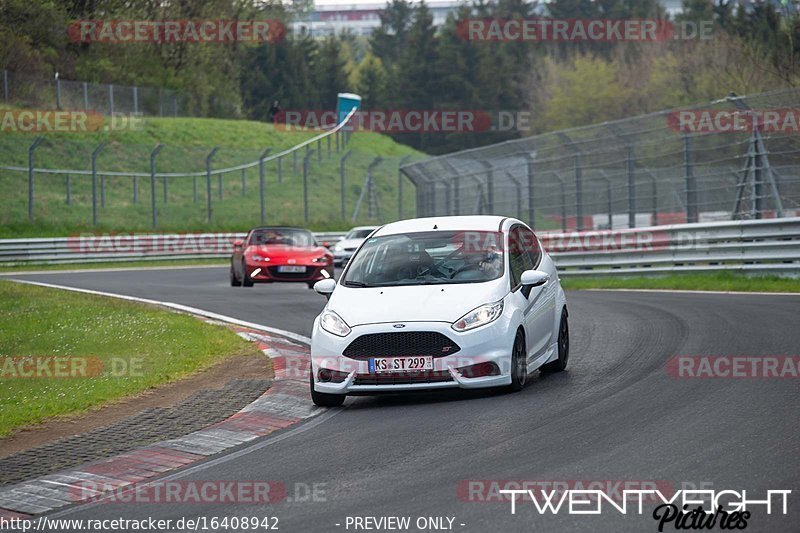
column 757, row 246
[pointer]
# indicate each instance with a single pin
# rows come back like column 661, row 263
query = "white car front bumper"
column 490, row 343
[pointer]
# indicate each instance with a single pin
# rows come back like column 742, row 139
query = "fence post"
column 102, row 191
column 135, row 190
column 244, row 183
column 578, row 192
column 69, row 191
column 342, row 188
column 36, row 142
column 631, row 163
column 194, row 189
column 319, row 151
column 280, row 169
column 328, row 142
column 208, row 182
column 691, row 183
column 294, row 162
column 111, row 98
column 400, row 187
column 531, row 181
column 5, row 88
column 336, row 134
column 85, row 96
column 305, row 183
column 608, row 198
column 94, row 181
column 135, row 99
column 153, row 156
column 371, row 200
column 58, row 92
column 489, row 186
column 261, row 183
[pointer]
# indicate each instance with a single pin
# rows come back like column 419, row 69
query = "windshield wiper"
column 350, row 283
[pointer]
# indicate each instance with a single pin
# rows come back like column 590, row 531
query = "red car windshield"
column 282, row 237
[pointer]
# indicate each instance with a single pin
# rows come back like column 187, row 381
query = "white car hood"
column 416, row 303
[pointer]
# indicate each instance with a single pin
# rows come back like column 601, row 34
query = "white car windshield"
column 425, row 258
column 282, row 237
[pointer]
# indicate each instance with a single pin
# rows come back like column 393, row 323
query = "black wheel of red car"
column 247, row 281
column 235, row 281
column 563, row 347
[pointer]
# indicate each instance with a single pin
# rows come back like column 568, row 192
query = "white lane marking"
column 107, row 269
column 177, row 307
column 314, row 422
column 685, row 291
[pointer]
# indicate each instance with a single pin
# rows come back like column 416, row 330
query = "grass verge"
column 722, row 281
column 181, row 202
column 113, row 349
column 22, row 268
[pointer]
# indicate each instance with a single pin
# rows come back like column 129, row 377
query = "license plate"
column 400, row 364
column 291, row 269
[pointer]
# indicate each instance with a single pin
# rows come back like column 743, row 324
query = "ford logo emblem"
column 398, row 326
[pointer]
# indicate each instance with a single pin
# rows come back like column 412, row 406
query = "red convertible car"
column 272, row 254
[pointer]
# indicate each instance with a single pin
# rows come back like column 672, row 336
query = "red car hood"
column 280, row 253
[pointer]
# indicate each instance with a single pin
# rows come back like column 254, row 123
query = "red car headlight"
column 259, row 258
column 321, row 259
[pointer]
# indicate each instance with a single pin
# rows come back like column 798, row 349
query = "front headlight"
column 258, row 258
column 479, row 316
column 338, row 248
column 333, row 323
column 322, row 259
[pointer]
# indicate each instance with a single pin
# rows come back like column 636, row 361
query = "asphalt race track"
column 616, row 414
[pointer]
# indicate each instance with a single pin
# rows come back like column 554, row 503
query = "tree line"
column 407, row 63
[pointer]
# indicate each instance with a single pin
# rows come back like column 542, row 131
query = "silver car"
column 345, row 248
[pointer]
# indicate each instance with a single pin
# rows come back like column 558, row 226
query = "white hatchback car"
column 431, row 303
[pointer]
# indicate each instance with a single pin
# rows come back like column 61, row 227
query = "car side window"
column 519, row 259
column 531, row 245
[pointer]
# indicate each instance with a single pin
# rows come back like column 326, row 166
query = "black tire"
column 519, row 365
column 247, row 281
column 323, row 399
column 560, row 364
column 235, row 281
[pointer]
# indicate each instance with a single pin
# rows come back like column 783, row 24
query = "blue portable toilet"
column 345, row 103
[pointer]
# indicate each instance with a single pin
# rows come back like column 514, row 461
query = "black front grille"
column 396, row 378
column 399, row 344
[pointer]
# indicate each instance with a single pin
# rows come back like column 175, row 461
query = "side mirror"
column 325, row 287
column 534, row 278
